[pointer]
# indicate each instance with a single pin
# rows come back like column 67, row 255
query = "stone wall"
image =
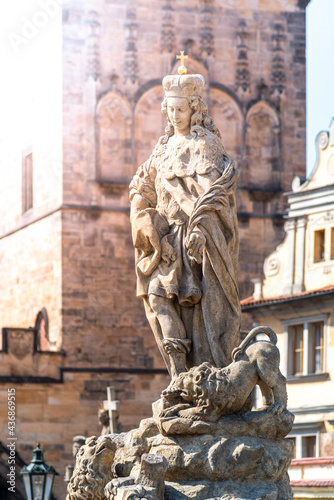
column 255, row 74
column 103, row 321
column 31, row 276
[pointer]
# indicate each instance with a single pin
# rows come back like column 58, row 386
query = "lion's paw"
column 276, row 408
column 189, row 414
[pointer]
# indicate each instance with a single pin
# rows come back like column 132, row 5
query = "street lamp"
column 38, row 477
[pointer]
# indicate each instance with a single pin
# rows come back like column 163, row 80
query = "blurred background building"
column 71, row 323
column 296, row 299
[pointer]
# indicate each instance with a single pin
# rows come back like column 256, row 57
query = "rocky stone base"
column 174, row 459
column 228, row 490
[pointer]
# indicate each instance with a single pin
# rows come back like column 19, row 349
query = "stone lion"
column 208, row 393
column 92, row 469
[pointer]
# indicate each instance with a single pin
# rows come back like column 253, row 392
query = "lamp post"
column 38, row 477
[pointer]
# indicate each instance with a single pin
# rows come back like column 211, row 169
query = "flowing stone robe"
column 190, row 185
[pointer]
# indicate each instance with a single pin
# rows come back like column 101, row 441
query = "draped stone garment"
column 191, row 185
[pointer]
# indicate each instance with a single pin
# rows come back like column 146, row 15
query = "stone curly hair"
column 92, row 470
column 199, row 121
column 211, row 387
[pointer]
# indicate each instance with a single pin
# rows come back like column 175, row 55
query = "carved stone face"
column 77, row 445
column 179, row 114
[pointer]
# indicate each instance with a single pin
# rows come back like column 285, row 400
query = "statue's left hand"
column 168, row 253
column 196, row 245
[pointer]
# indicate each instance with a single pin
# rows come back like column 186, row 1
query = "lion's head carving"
column 203, row 386
column 208, row 393
column 92, row 470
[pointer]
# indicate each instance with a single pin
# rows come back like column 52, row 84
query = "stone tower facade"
column 253, row 60
column 67, row 264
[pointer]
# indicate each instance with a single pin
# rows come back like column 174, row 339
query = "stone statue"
column 208, row 393
column 184, row 228
column 204, row 441
column 78, row 441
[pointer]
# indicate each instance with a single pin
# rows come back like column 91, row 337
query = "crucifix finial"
column 182, row 70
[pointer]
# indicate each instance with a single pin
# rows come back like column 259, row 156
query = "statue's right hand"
column 152, row 237
column 144, row 234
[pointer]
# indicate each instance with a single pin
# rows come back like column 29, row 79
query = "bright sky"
column 320, row 71
column 30, row 53
column 32, row 63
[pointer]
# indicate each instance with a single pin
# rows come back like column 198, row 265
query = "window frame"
column 297, row 349
column 319, row 259
column 300, row 444
column 301, row 434
column 308, row 350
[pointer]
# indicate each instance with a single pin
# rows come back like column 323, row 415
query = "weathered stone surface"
column 200, row 466
column 255, row 424
column 224, row 490
column 206, row 393
column 149, row 484
column 202, row 436
column 184, row 229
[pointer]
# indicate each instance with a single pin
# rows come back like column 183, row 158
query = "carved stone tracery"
column 278, row 73
column 168, row 28
column 93, row 49
column 242, row 76
column 131, row 65
column 206, row 32
column 228, row 117
column 262, row 146
column 113, row 124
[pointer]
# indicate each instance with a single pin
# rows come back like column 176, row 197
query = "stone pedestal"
column 240, row 457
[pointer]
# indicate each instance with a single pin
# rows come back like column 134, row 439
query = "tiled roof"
column 313, row 482
column 250, row 301
column 296, row 462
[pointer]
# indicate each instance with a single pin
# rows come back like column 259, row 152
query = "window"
column 319, row 245
column 42, row 328
column 306, row 346
column 332, row 243
column 309, row 446
column 306, row 440
column 297, row 342
column 317, row 347
column 27, row 182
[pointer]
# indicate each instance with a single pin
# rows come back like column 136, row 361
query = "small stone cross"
column 182, row 57
column 112, row 405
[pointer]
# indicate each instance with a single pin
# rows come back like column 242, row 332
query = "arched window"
column 113, row 128
column 228, row 117
column 42, row 328
column 262, row 146
column 150, row 123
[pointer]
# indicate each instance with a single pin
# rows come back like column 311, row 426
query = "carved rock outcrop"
column 229, row 458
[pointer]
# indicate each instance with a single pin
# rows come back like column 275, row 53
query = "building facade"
column 71, row 323
column 296, row 299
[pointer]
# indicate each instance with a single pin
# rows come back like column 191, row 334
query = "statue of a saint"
column 184, row 228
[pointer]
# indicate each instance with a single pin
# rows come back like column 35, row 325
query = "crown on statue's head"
column 183, row 85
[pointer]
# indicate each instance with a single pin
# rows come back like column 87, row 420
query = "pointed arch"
column 42, row 329
column 263, row 146
column 227, row 115
column 113, row 130
column 149, row 123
